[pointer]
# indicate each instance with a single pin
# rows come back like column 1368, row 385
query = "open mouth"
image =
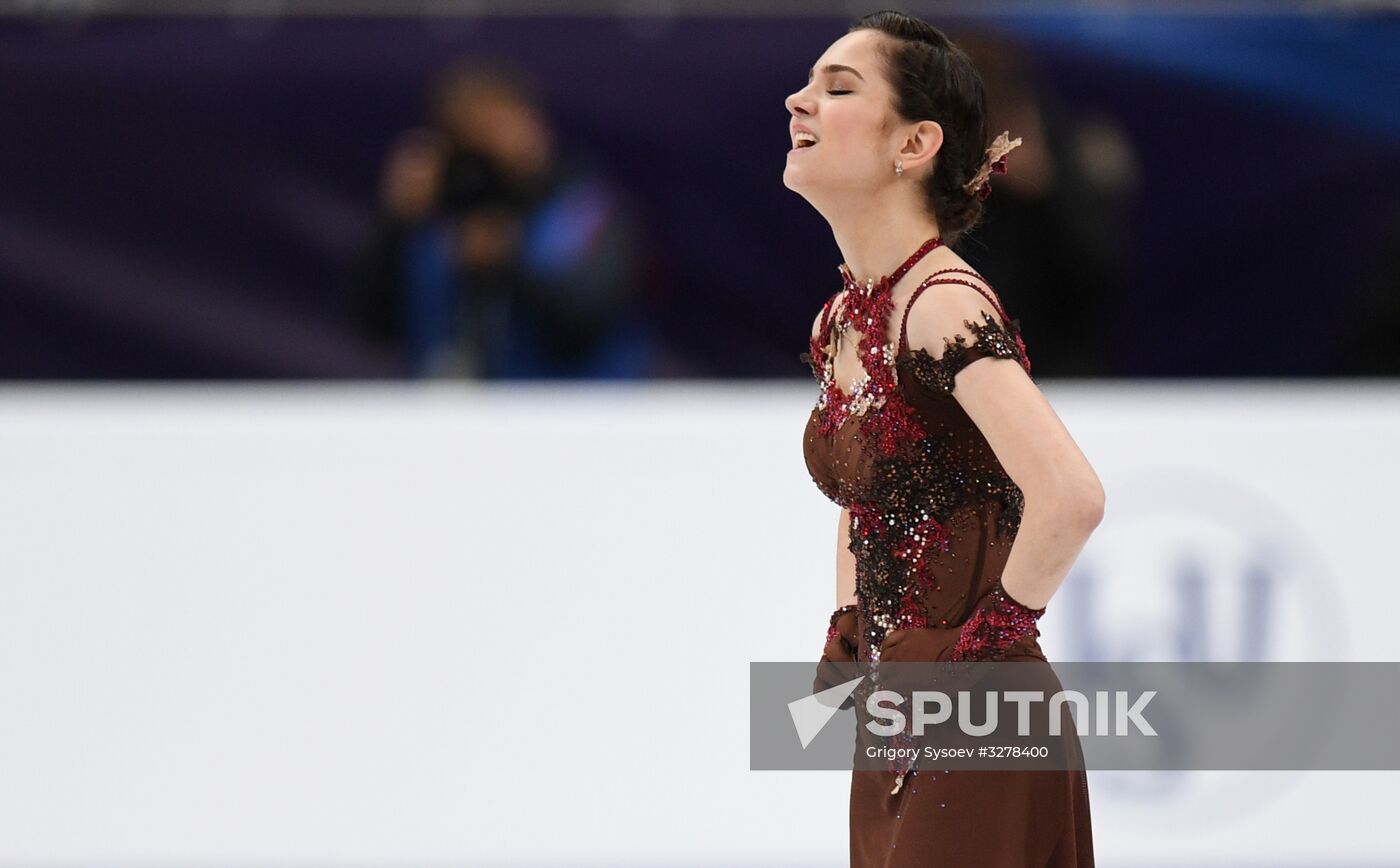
column 803, row 140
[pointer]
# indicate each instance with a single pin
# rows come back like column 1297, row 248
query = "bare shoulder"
column 944, row 312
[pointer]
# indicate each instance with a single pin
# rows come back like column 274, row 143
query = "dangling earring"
column 899, row 168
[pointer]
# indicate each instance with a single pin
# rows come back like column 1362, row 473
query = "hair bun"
column 933, row 78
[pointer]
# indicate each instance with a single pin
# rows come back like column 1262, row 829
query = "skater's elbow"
column 1076, row 502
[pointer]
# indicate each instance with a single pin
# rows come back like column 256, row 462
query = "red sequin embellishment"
column 998, row 623
column 867, row 307
column 911, row 479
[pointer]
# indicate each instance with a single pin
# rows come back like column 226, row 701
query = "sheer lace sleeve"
column 992, row 341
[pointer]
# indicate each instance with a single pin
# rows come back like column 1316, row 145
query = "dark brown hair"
column 935, row 80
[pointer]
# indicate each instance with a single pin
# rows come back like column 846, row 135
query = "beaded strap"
column 929, row 281
column 998, row 623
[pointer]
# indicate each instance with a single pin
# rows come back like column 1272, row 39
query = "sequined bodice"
column 933, row 513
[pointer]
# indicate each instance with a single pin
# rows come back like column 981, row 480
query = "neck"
column 875, row 238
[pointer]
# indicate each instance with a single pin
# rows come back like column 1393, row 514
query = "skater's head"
column 892, row 90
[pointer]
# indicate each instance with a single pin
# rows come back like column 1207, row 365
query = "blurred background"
column 364, row 360
column 220, row 192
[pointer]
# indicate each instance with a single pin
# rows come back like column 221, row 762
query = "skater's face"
column 847, row 105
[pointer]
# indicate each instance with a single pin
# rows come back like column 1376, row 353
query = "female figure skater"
column 939, row 464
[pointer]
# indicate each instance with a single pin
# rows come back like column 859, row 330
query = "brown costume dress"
column 933, row 517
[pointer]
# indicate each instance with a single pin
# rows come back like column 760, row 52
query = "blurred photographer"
column 498, row 256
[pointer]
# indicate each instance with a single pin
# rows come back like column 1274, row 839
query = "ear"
column 922, row 143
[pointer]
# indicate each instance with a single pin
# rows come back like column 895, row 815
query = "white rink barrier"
column 387, row 625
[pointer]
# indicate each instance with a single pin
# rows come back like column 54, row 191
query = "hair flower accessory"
column 995, row 164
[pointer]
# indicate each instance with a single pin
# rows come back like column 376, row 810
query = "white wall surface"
column 392, row 626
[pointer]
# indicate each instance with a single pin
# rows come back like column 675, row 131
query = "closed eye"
column 837, row 92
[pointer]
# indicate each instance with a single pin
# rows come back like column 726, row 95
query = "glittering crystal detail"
column 833, row 632
column 917, row 473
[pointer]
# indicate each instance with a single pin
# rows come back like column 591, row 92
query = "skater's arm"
column 845, row 562
column 1064, row 500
